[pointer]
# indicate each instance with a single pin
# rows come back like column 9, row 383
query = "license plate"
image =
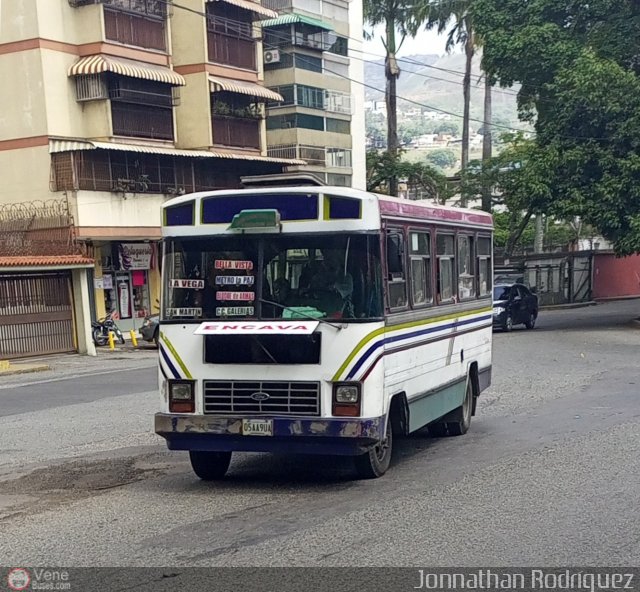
column 257, row 427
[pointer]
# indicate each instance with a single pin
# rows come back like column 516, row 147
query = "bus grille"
column 268, row 397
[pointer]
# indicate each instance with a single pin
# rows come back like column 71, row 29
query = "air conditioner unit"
column 272, row 56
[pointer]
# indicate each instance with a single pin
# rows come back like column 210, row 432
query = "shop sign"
column 135, row 255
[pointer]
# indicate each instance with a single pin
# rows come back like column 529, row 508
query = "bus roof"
column 336, row 208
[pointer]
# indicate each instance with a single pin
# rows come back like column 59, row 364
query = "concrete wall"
column 16, row 20
column 193, row 114
column 356, row 73
column 615, row 277
column 189, row 34
column 25, row 175
column 103, row 209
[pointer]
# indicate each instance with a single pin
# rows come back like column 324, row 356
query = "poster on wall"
column 124, row 300
column 107, row 282
column 135, row 255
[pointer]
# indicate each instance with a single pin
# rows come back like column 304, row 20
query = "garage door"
column 36, row 315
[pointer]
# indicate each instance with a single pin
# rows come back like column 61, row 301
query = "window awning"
column 243, row 88
column 252, row 6
column 291, row 19
column 66, row 145
column 96, row 64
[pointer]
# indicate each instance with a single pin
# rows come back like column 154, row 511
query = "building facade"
column 313, row 59
column 113, row 106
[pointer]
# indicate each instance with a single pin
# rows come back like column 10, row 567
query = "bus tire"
column 375, row 462
column 460, row 419
column 210, row 466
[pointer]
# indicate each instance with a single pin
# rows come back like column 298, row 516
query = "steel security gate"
column 36, row 315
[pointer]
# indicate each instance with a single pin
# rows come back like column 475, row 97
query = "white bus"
column 319, row 320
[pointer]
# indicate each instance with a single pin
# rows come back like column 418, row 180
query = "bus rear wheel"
column 375, row 462
column 460, row 422
column 210, row 466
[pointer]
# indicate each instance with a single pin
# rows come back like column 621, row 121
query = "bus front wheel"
column 210, row 466
column 376, row 461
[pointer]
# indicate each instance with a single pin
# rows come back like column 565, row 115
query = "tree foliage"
column 579, row 64
column 442, row 158
column 422, row 180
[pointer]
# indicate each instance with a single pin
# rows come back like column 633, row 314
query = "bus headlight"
column 182, row 396
column 346, row 399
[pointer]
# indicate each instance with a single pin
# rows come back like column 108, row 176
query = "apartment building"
column 111, row 107
column 313, row 59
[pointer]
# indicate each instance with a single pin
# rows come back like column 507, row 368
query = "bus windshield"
column 272, row 277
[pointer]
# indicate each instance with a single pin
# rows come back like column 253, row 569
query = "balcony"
column 133, row 29
column 237, row 132
column 231, row 42
column 142, row 121
column 313, row 155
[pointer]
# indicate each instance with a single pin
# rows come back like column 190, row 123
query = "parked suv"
column 514, row 304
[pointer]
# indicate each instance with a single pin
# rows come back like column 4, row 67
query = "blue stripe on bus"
column 367, row 354
column 169, row 363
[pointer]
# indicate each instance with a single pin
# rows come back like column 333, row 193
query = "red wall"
column 614, row 277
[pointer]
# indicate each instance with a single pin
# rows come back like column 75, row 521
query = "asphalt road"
column 548, row 475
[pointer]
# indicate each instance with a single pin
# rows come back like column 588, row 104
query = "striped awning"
column 252, row 6
column 66, row 145
column 96, row 64
column 291, row 19
column 243, row 88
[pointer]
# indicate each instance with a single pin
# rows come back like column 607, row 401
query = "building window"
column 339, row 126
column 396, row 273
column 305, row 62
column 466, row 271
column 484, row 266
column 141, row 108
column 136, row 22
column 338, row 157
column 445, row 269
column 340, row 46
column 338, row 180
column 309, row 96
column 236, row 120
column 295, row 120
column 230, row 36
column 420, row 254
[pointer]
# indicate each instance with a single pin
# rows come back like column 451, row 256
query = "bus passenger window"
column 484, row 266
column 466, row 271
column 396, row 278
column 420, row 251
column 445, row 259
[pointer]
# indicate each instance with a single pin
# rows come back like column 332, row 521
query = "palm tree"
column 403, row 19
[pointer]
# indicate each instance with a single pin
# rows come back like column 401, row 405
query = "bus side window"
column 396, row 278
column 466, row 268
column 420, row 253
column 484, row 266
column 445, row 267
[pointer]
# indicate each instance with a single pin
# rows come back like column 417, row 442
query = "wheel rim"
column 466, row 406
column 382, row 449
column 509, row 323
column 532, row 319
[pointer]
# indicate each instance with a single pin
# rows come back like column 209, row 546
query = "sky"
column 427, row 42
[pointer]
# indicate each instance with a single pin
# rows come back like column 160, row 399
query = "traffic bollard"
column 134, row 341
column 112, row 340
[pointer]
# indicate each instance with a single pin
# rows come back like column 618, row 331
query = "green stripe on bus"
column 172, row 349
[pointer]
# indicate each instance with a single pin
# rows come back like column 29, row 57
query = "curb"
column 569, row 306
column 24, row 369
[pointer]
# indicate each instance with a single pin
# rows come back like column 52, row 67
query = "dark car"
column 150, row 330
column 514, row 304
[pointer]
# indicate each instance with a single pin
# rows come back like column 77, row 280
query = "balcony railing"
column 238, row 51
column 142, row 121
column 312, row 155
column 235, row 131
column 133, row 29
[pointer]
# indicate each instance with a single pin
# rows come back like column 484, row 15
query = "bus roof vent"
column 282, row 180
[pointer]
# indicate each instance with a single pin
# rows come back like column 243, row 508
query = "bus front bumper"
column 343, row 436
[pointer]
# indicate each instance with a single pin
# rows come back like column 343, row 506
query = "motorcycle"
column 100, row 330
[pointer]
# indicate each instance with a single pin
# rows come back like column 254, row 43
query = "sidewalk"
column 58, row 366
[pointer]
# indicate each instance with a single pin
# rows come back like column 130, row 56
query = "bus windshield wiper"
column 295, row 311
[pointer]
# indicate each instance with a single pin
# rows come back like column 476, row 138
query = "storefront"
column 128, row 283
